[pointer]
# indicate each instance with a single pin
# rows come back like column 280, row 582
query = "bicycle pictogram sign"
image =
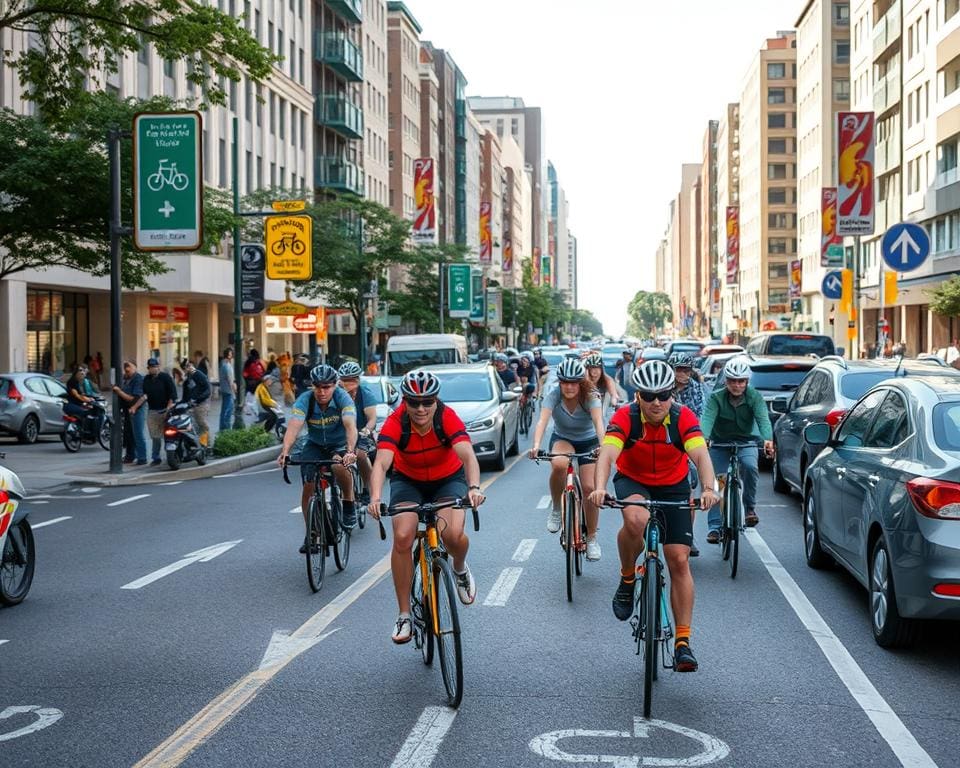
column 288, row 242
column 167, row 175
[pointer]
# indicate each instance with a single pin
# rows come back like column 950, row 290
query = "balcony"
column 886, row 93
column 887, row 155
column 339, row 114
column 350, row 11
column 339, row 174
column 886, row 31
column 340, row 54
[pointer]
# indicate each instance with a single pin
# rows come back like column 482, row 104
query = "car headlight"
column 481, row 424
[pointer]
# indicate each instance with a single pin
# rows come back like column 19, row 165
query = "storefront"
column 57, row 331
column 168, row 332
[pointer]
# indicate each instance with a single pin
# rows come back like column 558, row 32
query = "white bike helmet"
column 653, row 376
column 349, row 370
column 737, row 368
column 420, row 384
column 571, row 369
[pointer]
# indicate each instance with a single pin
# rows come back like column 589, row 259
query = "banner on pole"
column 855, row 171
column 733, row 244
column 486, row 233
column 424, row 202
column 831, row 244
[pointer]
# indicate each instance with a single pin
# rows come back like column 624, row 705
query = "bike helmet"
column 593, row 360
column 571, row 369
column 349, row 370
column 420, row 384
column 537, row 350
column 737, row 368
column 653, row 376
column 500, row 358
column 681, row 360
column 323, row 374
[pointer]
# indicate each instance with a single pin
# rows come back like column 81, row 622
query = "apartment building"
column 706, row 276
column 445, row 186
column 684, row 242
column 376, row 140
column 572, row 269
column 768, row 229
column 728, row 194
column 662, row 264
column 468, row 183
column 429, row 106
column 517, row 244
column 493, row 186
column 403, row 76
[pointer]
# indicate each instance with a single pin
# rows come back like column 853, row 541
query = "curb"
column 195, row 472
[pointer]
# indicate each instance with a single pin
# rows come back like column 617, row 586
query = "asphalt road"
column 93, row 674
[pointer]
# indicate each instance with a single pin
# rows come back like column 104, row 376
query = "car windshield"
column 778, row 378
column 403, row 361
column 800, row 344
column 946, row 426
column 685, row 346
column 464, row 387
column 554, row 358
column 613, row 349
column 853, row 386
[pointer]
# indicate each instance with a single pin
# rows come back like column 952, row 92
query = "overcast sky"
column 626, row 88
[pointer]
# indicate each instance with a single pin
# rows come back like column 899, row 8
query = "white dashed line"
column 173, row 482
column 424, row 741
column 544, row 502
column 296, row 509
column 50, row 522
column 128, row 500
column 4, row 641
column 89, row 490
column 503, row 586
column 524, row 550
column 39, row 502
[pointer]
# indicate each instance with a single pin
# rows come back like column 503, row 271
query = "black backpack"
column 673, row 427
column 437, row 428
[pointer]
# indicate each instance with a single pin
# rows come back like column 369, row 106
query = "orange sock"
column 683, row 635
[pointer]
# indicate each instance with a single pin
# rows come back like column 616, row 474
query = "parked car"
column 720, row 349
column 385, row 394
column 31, row 404
column 687, row 346
column 790, row 343
column 882, row 499
column 490, row 411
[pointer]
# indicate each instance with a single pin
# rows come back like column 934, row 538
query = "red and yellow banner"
column 425, row 214
column 855, row 171
column 486, row 232
column 507, row 261
column 733, row 244
column 796, row 279
column 535, row 266
column 831, row 244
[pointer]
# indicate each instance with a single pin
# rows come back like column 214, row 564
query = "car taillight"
column 935, row 498
column 13, row 393
column 833, row 418
column 947, row 590
column 169, row 433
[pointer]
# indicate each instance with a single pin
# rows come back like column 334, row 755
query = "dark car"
column 826, row 394
column 773, row 377
column 795, row 344
column 882, row 499
column 684, row 347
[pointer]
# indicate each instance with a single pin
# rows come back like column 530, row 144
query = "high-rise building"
column 557, row 231
column 728, row 194
column 429, row 107
column 493, row 186
column 375, row 113
column 705, row 281
column 403, row 53
column 517, row 215
column 445, row 185
column 572, row 269
column 684, row 243
column 468, row 185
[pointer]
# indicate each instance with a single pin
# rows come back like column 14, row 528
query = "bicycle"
column 650, row 597
column 526, row 414
column 287, row 242
column 571, row 518
column 360, row 494
column 167, row 174
column 325, row 528
column 433, row 596
column 732, row 523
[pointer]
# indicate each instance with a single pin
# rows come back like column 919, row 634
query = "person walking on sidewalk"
column 161, row 393
column 196, row 390
column 228, row 390
column 253, row 371
column 130, row 392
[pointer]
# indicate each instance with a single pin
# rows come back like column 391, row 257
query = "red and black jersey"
column 425, row 457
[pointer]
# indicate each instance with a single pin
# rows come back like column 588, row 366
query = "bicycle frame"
column 571, row 484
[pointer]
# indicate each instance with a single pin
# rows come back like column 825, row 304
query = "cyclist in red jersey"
column 432, row 457
column 649, row 441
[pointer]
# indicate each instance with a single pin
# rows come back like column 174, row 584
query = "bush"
column 235, row 441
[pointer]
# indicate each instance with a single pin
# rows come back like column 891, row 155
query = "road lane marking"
column 128, row 500
column 4, row 641
column 90, row 490
column 39, row 502
column 172, row 482
column 423, row 743
column 204, row 555
column 296, row 509
column 524, row 550
column 777, row 506
column 503, row 586
column 42, row 496
column 245, row 474
column 888, row 724
column 282, row 645
column 46, row 716
column 50, row 522
column 544, row 502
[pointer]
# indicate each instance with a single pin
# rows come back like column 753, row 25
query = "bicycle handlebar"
column 738, row 444
column 310, row 463
column 460, row 503
column 610, row 501
column 543, row 455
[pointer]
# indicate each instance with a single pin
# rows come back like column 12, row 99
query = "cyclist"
column 649, row 440
column 601, row 382
column 625, row 370
column 527, row 375
column 577, row 417
column 688, row 392
column 504, row 371
column 737, row 412
column 331, row 420
column 432, row 457
column 366, row 418
column 540, row 362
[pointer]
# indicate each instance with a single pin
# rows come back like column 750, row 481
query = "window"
column 777, row 120
column 779, row 220
column 858, row 421
column 777, row 271
column 777, row 195
column 891, row 426
column 841, row 51
column 776, row 95
column 776, row 71
column 947, row 157
column 777, row 146
column 841, row 14
column 776, row 245
column 776, row 170
column 841, row 89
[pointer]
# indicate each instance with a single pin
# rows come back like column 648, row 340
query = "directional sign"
column 204, row 555
column 167, row 181
column 288, row 206
column 459, row 290
column 905, row 246
column 252, row 262
column 289, row 251
column 287, row 309
column 832, row 285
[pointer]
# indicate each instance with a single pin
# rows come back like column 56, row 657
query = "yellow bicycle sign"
column 289, row 255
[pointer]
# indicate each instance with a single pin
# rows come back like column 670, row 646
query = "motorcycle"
column 181, row 441
column 17, row 552
column 93, row 427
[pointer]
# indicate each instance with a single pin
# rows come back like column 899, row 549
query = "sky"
column 626, row 88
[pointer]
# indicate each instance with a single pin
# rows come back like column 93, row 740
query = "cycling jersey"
column 572, row 426
column 508, row 377
column 654, row 460
column 325, row 423
column 425, row 458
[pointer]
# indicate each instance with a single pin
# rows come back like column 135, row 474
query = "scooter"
column 94, row 427
column 17, row 552
column 181, row 441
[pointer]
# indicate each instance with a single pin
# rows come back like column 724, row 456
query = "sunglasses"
column 323, row 386
column 425, row 403
column 649, row 397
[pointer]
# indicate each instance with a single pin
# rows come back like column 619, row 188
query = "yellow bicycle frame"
column 432, row 540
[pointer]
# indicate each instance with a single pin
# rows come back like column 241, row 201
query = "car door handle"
column 873, row 479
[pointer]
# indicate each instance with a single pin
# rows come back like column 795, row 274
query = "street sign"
column 905, row 246
column 477, row 314
column 252, row 262
column 305, row 323
column 167, row 181
column 288, row 206
column 832, row 285
column 459, row 290
column 289, row 247
column 287, row 309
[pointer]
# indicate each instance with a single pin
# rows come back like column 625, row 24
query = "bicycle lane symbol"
column 712, row 750
column 45, row 716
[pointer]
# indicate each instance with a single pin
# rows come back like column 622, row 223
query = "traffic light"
column 889, row 288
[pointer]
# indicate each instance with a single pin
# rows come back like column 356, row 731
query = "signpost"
column 252, row 262
column 287, row 309
column 167, row 181
column 460, row 294
column 477, row 311
column 289, row 247
column 832, row 285
column 905, row 247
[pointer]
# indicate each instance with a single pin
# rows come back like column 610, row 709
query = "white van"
column 404, row 353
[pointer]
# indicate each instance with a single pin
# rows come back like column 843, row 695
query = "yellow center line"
column 203, row 725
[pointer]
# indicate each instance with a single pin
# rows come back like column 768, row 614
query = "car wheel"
column 816, row 557
column 779, row 484
column 890, row 629
column 501, row 460
column 29, row 430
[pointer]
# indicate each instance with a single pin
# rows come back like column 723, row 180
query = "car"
column 687, row 346
column 882, row 499
column 712, row 365
column 490, row 410
column 826, row 394
column 652, row 353
column 719, row 349
column 611, row 353
column 791, row 343
column 31, row 404
column 384, row 393
column 772, row 377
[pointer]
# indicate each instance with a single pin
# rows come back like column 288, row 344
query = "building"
column 572, row 270
column 706, row 280
column 728, row 194
column 517, row 215
column 768, row 211
column 403, row 53
column 557, row 233
column 429, row 106
column 493, row 186
column 445, row 187
column 468, row 185
column 662, row 264
column 375, row 114
column 684, row 243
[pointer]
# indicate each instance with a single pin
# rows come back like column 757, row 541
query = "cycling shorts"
column 314, row 451
column 579, row 446
column 406, row 489
column 677, row 523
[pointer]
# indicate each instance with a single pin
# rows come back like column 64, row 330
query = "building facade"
column 403, row 47
column 375, row 114
column 517, row 202
column 728, row 195
column 707, row 277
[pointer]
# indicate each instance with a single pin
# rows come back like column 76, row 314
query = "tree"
column 649, row 311
column 945, row 300
column 586, row 322
column 416, row 301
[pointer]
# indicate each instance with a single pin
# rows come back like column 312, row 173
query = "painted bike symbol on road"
column 712, row 749
column 288, row 242
column 167, row 175
column 45, row 716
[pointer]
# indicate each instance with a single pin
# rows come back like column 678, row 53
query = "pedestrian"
column 624, row 374
column 202, row 363
column 253, row 371
column 228, row 390
column 300, row 375
column 272, row 364
column 96, row 368
column 161, row 393
column 196, row 390
column 130, row 392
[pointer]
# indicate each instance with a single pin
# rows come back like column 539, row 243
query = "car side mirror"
column 508, row 396
column 780, row 404
column 817, row 434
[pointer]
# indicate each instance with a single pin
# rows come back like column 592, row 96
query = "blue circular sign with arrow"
column 905, row 246
column 832, row 285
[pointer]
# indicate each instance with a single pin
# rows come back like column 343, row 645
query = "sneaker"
column 466, row 587
column 141, row 462
column 694, row 549
column 349, row 515
column 623, row 600
column 553, row 521
column 403, row 631
column 303, row 547
column 156, row 462
column 683, row 659
column 713, row 537
column 751, row 519
column 593, row 549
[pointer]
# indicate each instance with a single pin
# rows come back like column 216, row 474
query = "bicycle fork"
column 570, row 488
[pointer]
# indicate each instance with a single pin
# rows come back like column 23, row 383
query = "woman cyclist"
column 577, row 415
column 601, row 382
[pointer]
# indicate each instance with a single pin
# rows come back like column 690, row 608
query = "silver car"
column 31, row 404
column 490, row 411
column 385, row 395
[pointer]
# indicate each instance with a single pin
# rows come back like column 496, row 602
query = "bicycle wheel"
column 105, row 433
column 736, row 520
column 316, row 546
column 725, row 524
column 569, row 547
column 341, row 536
column 298, row 248
column 420, row 610
column 580, row 538
column 651, row 597
column 448, row 639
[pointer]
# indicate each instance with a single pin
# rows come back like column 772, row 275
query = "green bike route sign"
column 167, row 181
column 459, row 293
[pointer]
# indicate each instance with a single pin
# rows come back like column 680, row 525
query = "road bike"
column 651, row 622
column 361, row 495
column 732, row 514
column 433, row 595
column 288, row 242
column 325, row 529
column 571, row 518
column 167, row 174
column 526, row 414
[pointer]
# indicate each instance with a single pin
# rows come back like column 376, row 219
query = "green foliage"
column 416, row 301
column 235, row 441
column 647, row 312
column 945, row 300
column 588, row 324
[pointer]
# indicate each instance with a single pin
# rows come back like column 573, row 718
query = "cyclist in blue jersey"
column 366, row 406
